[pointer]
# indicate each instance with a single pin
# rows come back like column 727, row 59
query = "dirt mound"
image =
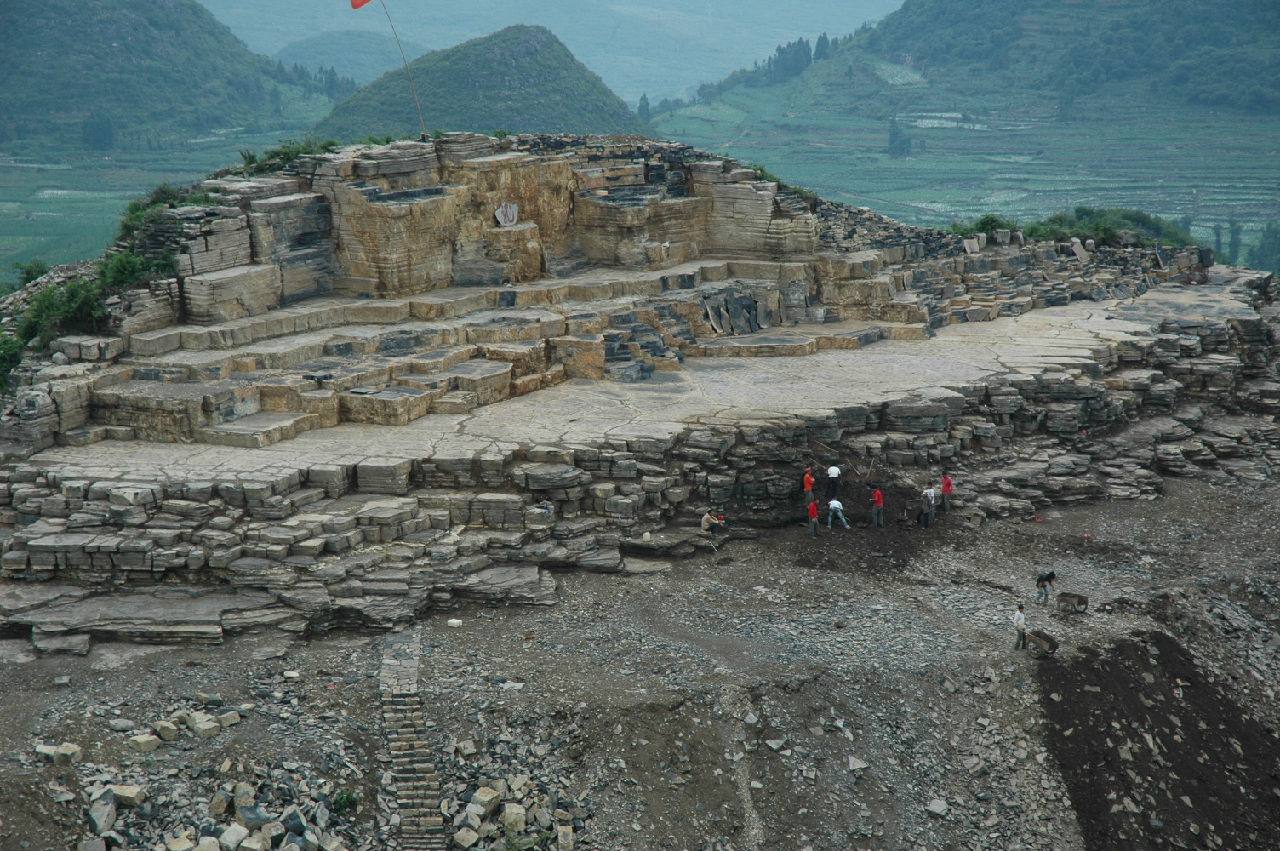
column 1156, row 753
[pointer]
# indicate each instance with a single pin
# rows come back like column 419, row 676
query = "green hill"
column 1212, row 53
column 357, row 54
column 948, row 111
column 520, row 79
column 103, row 74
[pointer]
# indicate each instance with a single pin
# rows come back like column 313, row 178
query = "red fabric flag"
column 356, row 4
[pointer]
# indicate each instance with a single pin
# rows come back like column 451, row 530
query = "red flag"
column 356, row 4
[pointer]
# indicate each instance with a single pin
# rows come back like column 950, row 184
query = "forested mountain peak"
column 520, row 79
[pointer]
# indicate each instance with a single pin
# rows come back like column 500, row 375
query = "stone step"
column 257, row 430
column 455, row 402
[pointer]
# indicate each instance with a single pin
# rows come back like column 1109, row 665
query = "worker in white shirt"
column 1020, row 627
column 835, row 508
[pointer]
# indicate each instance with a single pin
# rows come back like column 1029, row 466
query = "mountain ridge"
column 134, row 73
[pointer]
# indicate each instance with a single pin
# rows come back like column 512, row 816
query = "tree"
column 98, row 132
column 899, row 141
column 822, row 48
column 29, row 271
column 1234, row 231
column 642, row 109
column 1265, row 256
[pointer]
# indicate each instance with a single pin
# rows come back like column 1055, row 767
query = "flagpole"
column 422, row 123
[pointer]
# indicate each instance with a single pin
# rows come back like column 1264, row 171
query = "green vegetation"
column 345, row 801
column 141, row 212
column 105, row 75
column 519, row 77
column 29, row 271
column 80, row 303
column 10, row 357
column 765, row 174
column 286, row 152
column 1100, row 225
column 1214, row 54
column 662, row 47
column 1266, row 254
column 77, row 305
column 513, row 841
column 984, row 224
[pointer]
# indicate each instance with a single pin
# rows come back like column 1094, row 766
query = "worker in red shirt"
column 877, row 508
column 947, row 489
column 813, row 517
column 808, row 483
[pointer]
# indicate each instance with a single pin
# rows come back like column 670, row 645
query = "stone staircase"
column 255, row 381
column 415, row 784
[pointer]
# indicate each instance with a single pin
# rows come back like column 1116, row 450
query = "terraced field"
column 1016, row 158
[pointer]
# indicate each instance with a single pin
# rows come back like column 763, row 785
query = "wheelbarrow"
column 1041, row 643
column 1072, row 603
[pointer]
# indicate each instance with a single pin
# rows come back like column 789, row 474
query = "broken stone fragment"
column 252, row 817
column 231, row 838
column 219, row 803
column 514, row 818
column 487, row 799
column 129, row 795
column 65, row 754
column 206, row 729
column 293, row 820
column 102, row 814
column 144, row 742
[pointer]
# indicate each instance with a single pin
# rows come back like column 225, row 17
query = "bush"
column 29, row 271
column 985, row 224
column 10, row 357
column 345, row 801
column 1100, row 224
column 77, row 305
column 118, row 271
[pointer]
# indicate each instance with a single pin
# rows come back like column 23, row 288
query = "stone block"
column 205, row 729
column 465, row 838
column 384, row 475
column 487, row 798
column 144, row 742
column 129, row 795
column 230, row 839
column 232, row 293
column 513, row 818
